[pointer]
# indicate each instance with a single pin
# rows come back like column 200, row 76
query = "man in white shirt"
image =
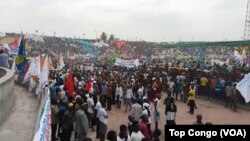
column 136, row 111
column 90, row 103
column 118, row 95
column 171, row 86
column 136, row 134
column 123, row 135
column 97, row 108
column 157, row 110
column 140, row 92
column 129, row 95
column 147, row 111
column 103, row 118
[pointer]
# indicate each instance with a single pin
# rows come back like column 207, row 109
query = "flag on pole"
column 44, row 76
column 21, row 56
column 70, row 84
column 244, row 87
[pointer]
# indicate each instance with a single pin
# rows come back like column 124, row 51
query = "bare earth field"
column 20, row 124
column 212, row 112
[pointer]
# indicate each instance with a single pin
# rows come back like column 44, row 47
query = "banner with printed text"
column 127, row 63
column 44, row 131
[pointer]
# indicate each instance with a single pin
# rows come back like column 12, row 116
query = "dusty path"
column 20, row 124
column 212, row 112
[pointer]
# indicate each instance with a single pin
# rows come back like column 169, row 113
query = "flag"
column 61, row 62
column 29, row 72
column 32, row 84
column 244, row 87
column 89, row 86
column 14, row 43
column 13, row 67
column 70, row 84
column 34, row 69
column 44, row 76
column 20, row 59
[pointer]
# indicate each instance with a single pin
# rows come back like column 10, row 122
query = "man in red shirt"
column 143, row 127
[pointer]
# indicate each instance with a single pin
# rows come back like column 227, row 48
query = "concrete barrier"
column 7, row 97
column 19, row 81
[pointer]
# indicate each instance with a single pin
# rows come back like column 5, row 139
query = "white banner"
column 44, row 131
column 13, row 51
column 244, row 87
column 127, row 63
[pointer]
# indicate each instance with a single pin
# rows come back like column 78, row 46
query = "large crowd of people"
column 137, row 91
column 140, row 89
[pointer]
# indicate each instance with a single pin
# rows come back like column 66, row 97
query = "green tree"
column 111, row 37
column 104, row 36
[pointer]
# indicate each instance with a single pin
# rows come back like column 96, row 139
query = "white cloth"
column 158, row 104
column 90, row 102
column 171, row 85
column 119, row 139
column 171, row 115
column 145, row 112
column 140, row 91
column 119, row 91
column 103, row 116
column 129, row 93
column 97, row 107
column 137, row 136
column 244, row 87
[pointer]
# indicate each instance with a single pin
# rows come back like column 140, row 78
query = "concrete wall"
column 7, row 98
column 19, row 81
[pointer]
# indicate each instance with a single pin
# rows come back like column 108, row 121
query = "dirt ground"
column 20, row 124
column 211, row 112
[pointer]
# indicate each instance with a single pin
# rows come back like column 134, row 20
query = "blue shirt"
column 104, row 90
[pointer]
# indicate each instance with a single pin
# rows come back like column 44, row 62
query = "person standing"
column 157, row 110
column 104, row 93
column 191, row 99
column 186, row 90
column 143, row 127
column 171, row 110
column 147, row 111
column 103, row 120
column 82, row 123
column 123, row 135
column 118, row 95
column 154, row 89
column 67, row 123
column 203, row 86
column 136, row 134
column 109, row 96
column 129, row 95
column 136, row 111
column 97, row 108
column 54, row 118
column 90, row 111
column 228, row 91
column 234, row 98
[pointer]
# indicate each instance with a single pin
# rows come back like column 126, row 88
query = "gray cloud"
column 150, row 20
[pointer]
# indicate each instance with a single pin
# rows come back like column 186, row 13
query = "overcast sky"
column 150, row 20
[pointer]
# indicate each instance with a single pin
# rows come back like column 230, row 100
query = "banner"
column 13, row 47
column 244, row 87
column 44, row 131
column 127, row 63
